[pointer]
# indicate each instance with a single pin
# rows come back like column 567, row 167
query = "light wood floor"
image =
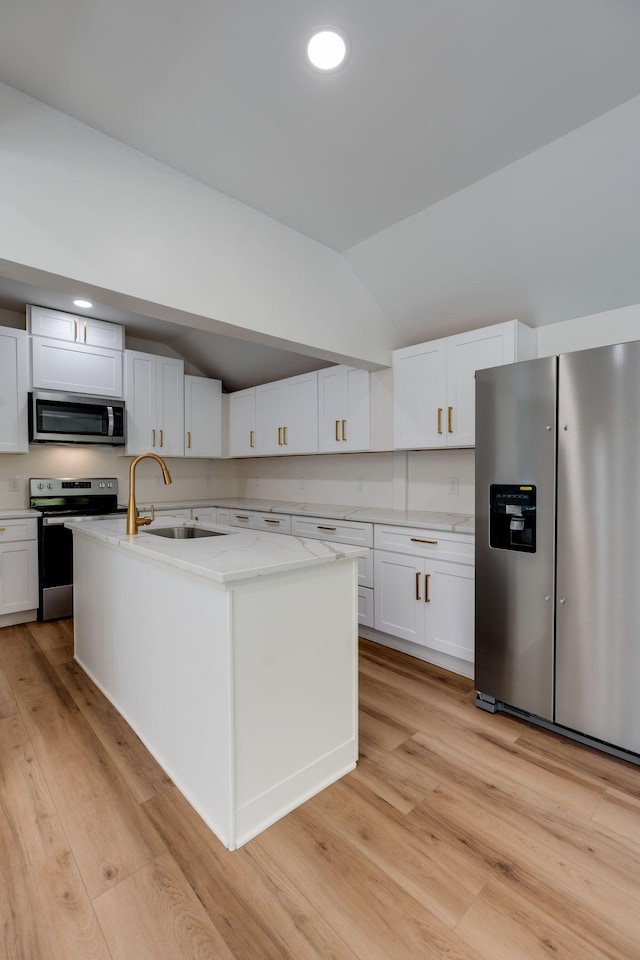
column 459, row 835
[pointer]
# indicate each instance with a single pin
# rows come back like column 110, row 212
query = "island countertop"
column 237, row 555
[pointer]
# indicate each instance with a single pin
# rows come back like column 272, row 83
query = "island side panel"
column 295, row 689
column 156, row 642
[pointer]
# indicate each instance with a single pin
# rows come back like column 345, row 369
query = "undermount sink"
column 184, row 533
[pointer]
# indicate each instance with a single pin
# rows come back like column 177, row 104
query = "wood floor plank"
column 591, row 847
column 142, row 773
column 155, row 915
column 378, row 920
column 607, row 918
column 382, row 730
column 15, row 643
column 45, row 911
column 260, row 913
column 621, row 814
column 413, row 862
column 500, row 925
column 6, row 692
column 54, row 638
column 386, row 774
column 109, row 835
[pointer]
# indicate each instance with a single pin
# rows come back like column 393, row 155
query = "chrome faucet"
column 133, row 520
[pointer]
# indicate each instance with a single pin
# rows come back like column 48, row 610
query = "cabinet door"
column 14, row 387
column 76, row 368
column 202, row 417
column 331, row 409
column 299, row 400
column 18, row 576
column 344, row 409
column 57, row 325
column 467, row 353
column 269, row 419
column 449, row 620
column 419, row 395
column 242, row 423
column 398, row 595
column 140, row 398
column 170, row 407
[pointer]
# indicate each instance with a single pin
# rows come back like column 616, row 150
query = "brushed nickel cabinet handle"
column 344, row 429
column 422, row 540
column 427, row 598
column 440, row 420
column 449, row 426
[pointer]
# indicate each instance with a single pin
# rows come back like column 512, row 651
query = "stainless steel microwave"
column 70, row 418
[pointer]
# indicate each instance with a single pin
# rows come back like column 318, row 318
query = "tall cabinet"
column 14, row 386
column 154, row 394
column 434, row 383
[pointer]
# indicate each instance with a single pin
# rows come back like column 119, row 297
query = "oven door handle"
column 112, row 421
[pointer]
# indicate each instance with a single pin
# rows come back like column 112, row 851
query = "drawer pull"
column 422, row 540
column 241, row 516
column 332, row 529
column 2, row 529
column 427, row 598
column 266, row 520
column 418, row 597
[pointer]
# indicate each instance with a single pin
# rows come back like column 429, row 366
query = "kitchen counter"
column 18, row 514
column 433, row 520
column 234, row 659
column 239, row 555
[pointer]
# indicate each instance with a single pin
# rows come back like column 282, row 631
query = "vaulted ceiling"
column 438, row 97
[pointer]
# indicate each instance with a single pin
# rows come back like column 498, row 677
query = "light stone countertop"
column 433, row 520
column 18, row 514
column 239, row 555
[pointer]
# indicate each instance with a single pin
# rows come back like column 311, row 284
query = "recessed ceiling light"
column 82, row 303
column 328, row 49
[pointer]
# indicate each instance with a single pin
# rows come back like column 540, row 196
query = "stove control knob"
column 49, row 486
column 110, row 485
column 41, row 486
column 102, row 485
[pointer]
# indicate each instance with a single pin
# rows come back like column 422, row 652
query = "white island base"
column 245, row 692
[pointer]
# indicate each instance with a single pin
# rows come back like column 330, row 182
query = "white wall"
column 139, row 235
column 595, row 330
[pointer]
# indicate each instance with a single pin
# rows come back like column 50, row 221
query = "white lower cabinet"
column 365, row 606
column 18, row 566
column 425, row 595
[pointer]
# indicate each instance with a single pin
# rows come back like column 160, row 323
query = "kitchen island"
column 233, row 657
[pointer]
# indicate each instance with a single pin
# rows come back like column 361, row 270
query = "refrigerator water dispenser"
column 512, row 517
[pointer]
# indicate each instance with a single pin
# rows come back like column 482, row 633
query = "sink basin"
column 184, row 533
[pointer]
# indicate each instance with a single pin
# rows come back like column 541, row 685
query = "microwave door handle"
column 112, row 421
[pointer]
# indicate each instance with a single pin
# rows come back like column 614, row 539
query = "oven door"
column 69, row 418
column 56, row 570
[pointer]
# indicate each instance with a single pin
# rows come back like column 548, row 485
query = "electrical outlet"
column 14, row 485
column 453, row 485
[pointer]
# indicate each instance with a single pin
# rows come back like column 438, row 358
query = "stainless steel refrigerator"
column 558, row 543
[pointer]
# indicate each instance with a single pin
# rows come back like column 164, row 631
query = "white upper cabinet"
column 344, row 409
column 75, row 354
column 242, row 423
column 43, row 322
column 202, row 417
column 434, row 383
column 287, row 416
column 155, row 404
column 14, row 388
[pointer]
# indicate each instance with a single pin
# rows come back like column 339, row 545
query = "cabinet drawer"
column 242, row 518
column 340, row 531
column 206, row 514
column 18, row 529
column 365, row 606
column 276, row 524
column 418, row 542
